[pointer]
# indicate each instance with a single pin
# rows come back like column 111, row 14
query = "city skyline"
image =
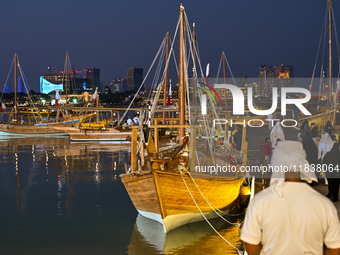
column 114, row 36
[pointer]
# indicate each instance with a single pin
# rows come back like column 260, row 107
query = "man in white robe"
column 277, row 132
column 325, row 145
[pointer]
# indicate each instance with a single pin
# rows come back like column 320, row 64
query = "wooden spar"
column 156, row 134
column 67, row 76
column 194, row 73
column 15, row 85
column 181, row 98
column 244, row 145
column 223, row 68
column 224, row 80
column 166, row 73
column 330, row 86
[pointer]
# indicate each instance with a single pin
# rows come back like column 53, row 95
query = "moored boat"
column 165, row 183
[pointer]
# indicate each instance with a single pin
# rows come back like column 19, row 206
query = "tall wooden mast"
column 330, row 71
column 194, row 73
column 181, row 96
column 15, row 85
column 166, row 72
column 225, row 82
column 67, row 77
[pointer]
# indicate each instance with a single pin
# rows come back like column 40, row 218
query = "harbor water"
column 66, row 198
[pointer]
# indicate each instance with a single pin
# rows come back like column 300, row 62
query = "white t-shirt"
column 298, row 223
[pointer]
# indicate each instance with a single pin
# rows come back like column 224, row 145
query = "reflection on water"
column 66, row 198
column 197, row 238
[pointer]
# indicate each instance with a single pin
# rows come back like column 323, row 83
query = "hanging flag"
column 169, row 96
column 57, row 97
column 3, row 107
column 207, row 73
column 94, row 96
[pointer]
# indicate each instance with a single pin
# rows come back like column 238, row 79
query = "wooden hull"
column 108, row 135
column 8, row 130
column 163, row 196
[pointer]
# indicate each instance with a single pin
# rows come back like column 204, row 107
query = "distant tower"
column 93, row 74
column 283, row 76
column 134, row 78
column 270, row 79
column 116, row 85
column 263, row 80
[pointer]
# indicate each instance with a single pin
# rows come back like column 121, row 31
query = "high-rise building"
column 263, row 79
column 270, row 78
column 93, row 74
column 134, row 78
column 116, row 85
column 119, row 85
column 283, row 76
column 275, row 76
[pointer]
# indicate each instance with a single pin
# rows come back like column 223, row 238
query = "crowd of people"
column 290, row 217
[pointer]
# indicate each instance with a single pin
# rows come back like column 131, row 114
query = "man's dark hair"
column 267, row 138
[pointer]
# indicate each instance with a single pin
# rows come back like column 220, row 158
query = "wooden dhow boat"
column 168, row 182
column 29, row 121
column 18, row 128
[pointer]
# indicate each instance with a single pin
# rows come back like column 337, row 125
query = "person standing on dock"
column 270, row 122
column 129, row 121
column 267, row 149
column 277, row 132
column 290, row 217
column 238, row 138
column 314, row 130
column 332, row 161
column 305, row 129
column 325, row 145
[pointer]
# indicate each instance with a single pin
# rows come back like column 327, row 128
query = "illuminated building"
column 283, row 76
column 118, row 85
column 275, row 76
column 134, row 78
column 115, row 85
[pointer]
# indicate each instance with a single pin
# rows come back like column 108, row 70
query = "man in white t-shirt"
column 290, row 217
column 129, row 121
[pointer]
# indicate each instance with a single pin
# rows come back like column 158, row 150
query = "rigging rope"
column 153, row 62
column 29, row 94
column 186, row 185
column 10, row 69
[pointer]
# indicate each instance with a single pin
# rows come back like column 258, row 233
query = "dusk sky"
column 114, row 35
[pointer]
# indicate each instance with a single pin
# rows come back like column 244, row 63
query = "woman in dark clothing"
column 314, row 130
column 329, row 128
column 332, row 160
column 304, row 129
column 311, row 152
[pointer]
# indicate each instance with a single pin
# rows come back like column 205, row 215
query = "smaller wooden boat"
column 88, row 134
